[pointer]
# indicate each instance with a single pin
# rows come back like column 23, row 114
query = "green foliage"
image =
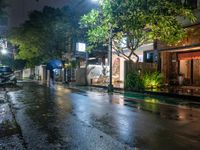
column 134, row 81
column 3, row 6
column 97, row 25
column 152, row 80
column 141, row 81
column 45, row 35
column 72, row 64
column 7, row 60
column 3, row 16
column 138, row 20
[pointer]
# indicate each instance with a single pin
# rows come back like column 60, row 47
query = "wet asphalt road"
column 66, row 118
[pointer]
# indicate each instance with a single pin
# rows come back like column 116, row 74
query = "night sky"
column 19, row 9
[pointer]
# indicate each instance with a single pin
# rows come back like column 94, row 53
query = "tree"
column 14, row 64
column 3, row 6
column 3, row 17
column 44, row 35
column 135, row 22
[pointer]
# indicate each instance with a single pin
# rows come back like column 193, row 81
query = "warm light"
column 4, row 51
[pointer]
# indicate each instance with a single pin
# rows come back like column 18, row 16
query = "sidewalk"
column 188, row 93
column 10, row 137
column 182, row 92
column 150, row 97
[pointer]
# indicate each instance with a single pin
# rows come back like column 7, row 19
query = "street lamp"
column 4, row 51
column 110, row 85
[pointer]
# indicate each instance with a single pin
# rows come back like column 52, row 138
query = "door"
column 196, row 72
column 185, row 69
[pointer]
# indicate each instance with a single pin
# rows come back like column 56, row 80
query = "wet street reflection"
column 66, row 118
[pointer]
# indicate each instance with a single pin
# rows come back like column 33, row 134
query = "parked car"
column 7, row 76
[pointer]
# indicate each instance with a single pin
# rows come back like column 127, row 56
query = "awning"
column 189, row 55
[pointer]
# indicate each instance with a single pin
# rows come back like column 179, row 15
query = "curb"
column 174, row 95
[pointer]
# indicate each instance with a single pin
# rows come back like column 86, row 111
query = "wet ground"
column 88, row 118
column 10, row 135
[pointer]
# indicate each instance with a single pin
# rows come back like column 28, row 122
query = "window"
column 149, row 56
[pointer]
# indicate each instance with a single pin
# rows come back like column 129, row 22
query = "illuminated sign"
column 80, row 47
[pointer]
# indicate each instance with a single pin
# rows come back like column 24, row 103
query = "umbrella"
column 54, row 64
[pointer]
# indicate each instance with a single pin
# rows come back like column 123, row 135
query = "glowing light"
column 4, row 51
column 80, row 47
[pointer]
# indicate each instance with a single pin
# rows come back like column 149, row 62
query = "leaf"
column 139, row 20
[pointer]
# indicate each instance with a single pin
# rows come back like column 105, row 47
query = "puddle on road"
column 166, row 107
column 45, row 107
column 153, row 99
column 180, row 112
column 9, row 88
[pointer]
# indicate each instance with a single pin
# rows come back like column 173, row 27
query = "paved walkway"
column 10, row 137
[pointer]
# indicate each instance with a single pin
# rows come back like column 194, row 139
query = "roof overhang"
column 194, row 47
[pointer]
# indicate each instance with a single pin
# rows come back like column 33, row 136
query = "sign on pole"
column 80, row 47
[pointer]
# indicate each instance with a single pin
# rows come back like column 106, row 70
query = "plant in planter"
column 140, row 81
column 152, row 80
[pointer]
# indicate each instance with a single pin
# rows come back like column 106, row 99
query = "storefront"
column 182, row 61
column 189, row 67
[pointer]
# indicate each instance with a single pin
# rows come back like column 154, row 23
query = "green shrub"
column 146, row 80
column 152, row 80
column 133, row 81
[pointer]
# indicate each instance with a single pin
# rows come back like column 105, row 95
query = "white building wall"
column 40, row 72
column 140, row 51
column 26, row 73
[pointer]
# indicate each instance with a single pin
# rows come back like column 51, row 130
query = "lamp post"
column 110, row 85
column 4, row 52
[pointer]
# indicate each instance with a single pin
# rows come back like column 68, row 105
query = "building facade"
column 182, row 61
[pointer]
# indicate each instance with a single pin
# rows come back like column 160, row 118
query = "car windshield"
column 5, row 69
